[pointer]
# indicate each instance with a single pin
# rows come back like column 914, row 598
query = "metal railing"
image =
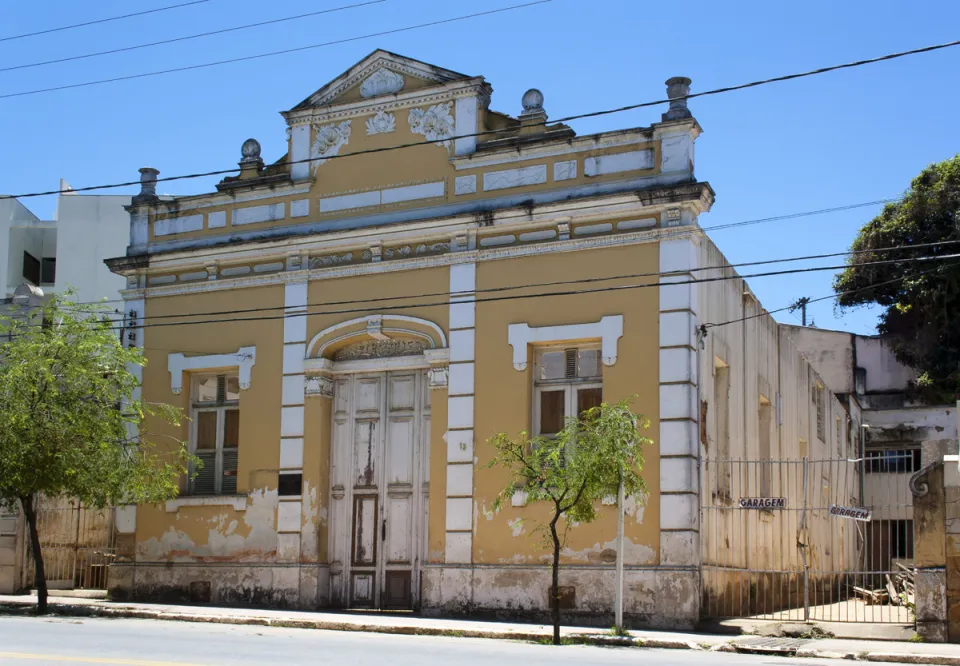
column 807, row 540
column 77, row 543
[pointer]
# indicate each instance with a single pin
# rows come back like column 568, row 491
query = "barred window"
column 215, row 439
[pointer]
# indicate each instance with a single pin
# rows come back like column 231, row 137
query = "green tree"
column 922, row 299
column 69, row 417
column 572, row 471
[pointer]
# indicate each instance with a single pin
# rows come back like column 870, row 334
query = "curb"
column 78, row 610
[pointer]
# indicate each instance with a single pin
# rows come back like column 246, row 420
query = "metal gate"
column 77, row 545
column 819, row 540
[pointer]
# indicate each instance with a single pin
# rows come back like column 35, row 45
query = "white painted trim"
column 319, row 337
column 401, row 265
column 204, row 201
column 578, row 145
column 238, row 502
column 608, row 330
column 244, row 359
column 466, row 123
column 300, row 150
column 386, row 364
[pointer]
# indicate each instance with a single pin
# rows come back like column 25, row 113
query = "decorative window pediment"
column 243, row 359
column 608, row 331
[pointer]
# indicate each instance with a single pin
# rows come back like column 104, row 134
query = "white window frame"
column 568, row 386
column 220, row 408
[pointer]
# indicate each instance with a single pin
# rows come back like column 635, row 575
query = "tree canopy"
column 70, row 415
column 922, row 299
column 572, row 471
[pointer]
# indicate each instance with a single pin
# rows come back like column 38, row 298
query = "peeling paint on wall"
column 221, row 537
column 633, row 553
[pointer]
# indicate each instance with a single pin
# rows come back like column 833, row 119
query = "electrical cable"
column 219, row 253
column 105, row 20
column 270, row 54
column 834, row 295
column 189, row 37
column 592, row 114
column 513, row 297
column 558, row 283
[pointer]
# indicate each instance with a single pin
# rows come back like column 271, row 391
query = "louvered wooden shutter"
column 570, row 357
column 229, row 483
column 204, row 483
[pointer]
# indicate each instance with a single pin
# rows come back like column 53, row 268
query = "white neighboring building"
column 894, row 435
column 86, row 229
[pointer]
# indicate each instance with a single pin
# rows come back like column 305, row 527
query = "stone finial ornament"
column 534, row 118
column 250, row 161
column 678, row 88
column 250, row 150
column 148, row 185
column 532, row 101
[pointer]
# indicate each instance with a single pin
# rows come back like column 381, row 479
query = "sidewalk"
column 886, row 651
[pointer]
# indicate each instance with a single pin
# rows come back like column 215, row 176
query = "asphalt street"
column 123, row 642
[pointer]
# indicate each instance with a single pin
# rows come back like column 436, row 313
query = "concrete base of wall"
column 303, row 586
column 653, row 597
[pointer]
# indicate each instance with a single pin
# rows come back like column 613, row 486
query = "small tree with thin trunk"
column 69, row 418
column 572, row 471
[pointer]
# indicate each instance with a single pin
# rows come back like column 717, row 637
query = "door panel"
column 400, row 432
column 364, row 530
column 365, row 453
column 380, row 423
column 398, row 544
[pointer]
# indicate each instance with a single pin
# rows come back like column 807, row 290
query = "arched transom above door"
column 378, row 343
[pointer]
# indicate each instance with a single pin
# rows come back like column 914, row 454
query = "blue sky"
column 831, row 140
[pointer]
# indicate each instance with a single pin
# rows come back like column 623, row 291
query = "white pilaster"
column 290, row 509
column 466, row 123
column 460, row 410
column 300, row 150
column 679, row 494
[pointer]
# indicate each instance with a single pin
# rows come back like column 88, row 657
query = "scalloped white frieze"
column 329, row 139
column 436, row 123
column 381, row 82
column 382, row 123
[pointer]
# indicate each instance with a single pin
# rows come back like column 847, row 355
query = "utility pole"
column 618, row 613
column 801, row 305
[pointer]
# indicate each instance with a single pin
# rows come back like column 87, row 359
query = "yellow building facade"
column 347, row 328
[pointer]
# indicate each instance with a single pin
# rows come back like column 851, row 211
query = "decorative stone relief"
column 331, row 260
column 433, row 248
column 318, row 386
column 381, row 82
column 380, row 349
column 436, row 123
column 398, row 252
column 329, row 140
column 373, row 254
column 382, row 123
column 439, row 377
column 465, row 185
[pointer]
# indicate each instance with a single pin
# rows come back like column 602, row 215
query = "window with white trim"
column 215, row 436
column 567, row 382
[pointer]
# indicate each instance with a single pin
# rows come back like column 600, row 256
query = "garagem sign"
column 763, row 503
column 850, row 512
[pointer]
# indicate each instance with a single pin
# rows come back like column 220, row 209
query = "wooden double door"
column 381, row 435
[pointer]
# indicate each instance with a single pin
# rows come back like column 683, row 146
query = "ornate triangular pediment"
column 380, row 73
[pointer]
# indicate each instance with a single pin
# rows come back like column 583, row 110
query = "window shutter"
column 221, row 389
column 571, row 363
column 229, row 483
column 204, row 483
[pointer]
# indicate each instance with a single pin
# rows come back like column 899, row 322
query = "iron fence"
column 77, row 543
column 825, row 540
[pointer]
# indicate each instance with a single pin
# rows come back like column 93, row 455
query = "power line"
column 271, row 53
column 558, row 283
column 664, row 236
column 832, row 296
column 105, row 20
column 486, row 133
column 540, row 295
column 188, row 37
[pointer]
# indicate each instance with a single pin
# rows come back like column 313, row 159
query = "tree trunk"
column 555, row 607
column 30, row 511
